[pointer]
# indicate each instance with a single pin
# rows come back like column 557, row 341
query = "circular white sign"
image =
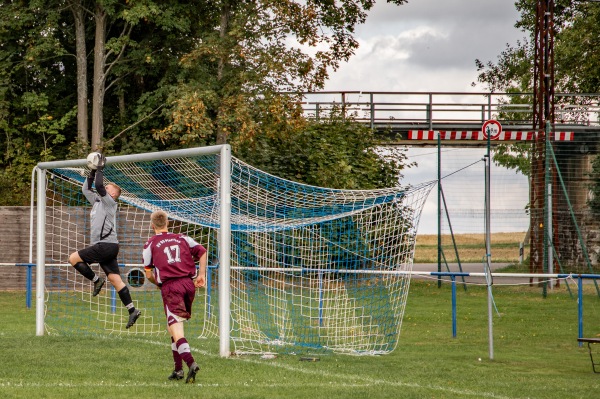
column 492, row 129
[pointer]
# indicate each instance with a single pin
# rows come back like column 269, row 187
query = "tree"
column 47, row 71
column 129, row 41
column 243, row 83
column 138, row 75
column 34, row 109
column 577, row 30
column 336, row 153
column 236, row 76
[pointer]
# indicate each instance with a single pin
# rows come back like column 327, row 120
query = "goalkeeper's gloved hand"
column 101, row 161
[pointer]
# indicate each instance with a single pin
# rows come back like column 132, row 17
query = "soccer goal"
column 293, row 268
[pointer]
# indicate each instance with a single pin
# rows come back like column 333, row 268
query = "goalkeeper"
column 104, row 246
column 169, row 262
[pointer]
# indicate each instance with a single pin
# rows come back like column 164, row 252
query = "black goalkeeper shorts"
column 103, row 253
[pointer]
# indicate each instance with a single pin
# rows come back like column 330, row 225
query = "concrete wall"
column 70, row 231
column 14, row 246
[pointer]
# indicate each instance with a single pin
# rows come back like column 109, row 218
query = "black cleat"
column 98, row 286
column 176, row 375
column 191, row 377
column 133, row 316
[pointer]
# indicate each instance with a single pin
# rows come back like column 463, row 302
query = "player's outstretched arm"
column 99, row 182
column 86, row 187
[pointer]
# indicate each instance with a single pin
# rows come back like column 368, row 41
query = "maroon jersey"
column 172, row 256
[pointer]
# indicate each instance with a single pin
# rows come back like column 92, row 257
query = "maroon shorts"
column 178, row 296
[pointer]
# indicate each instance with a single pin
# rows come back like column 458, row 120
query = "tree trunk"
column 223, row 29
column 225, row 16
column 122, row 109
column 81, row 57
column 99, row 78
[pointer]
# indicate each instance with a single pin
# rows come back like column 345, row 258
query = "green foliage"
column 513, row 70
column 21, row 156
column 175, row 74
column 577, row 29
column 236, row 74
column 514, row 156
column 34, row 111
column 334, row 153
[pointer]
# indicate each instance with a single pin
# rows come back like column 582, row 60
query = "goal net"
column 298, row 269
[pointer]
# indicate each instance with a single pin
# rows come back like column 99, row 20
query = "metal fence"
column 548, row 208
column 451, row 110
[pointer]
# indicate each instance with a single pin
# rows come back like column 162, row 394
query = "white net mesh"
column 312, row 269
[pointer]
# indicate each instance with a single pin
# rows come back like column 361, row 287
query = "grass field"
column 536, row 355
column 470, row 247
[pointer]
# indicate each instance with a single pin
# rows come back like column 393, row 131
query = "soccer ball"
column 94, row 160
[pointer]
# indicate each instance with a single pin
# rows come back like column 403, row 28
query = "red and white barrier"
column 478, row 135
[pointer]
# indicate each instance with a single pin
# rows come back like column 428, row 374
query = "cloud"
column 463, row 184
column 431, row 46
column 427, row 45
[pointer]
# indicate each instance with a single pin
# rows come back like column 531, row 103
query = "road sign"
column 492, row 129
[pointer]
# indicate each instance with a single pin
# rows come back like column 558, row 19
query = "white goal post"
column 224, row 237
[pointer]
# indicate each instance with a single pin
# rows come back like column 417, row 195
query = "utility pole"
column 543, row 123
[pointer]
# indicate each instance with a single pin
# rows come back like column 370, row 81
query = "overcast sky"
column 431, row 45
column 427, row 45
column 463, row 184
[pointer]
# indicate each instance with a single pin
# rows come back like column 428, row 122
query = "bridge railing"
column 424, row 110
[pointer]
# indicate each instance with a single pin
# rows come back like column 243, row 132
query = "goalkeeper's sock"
column 184, row 351
column 176, row 357
column 126, row 299
column 85, row 270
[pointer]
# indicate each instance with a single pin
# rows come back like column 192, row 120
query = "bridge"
column 418, row 118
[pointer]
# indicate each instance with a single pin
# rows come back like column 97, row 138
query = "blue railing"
column 579, row 277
